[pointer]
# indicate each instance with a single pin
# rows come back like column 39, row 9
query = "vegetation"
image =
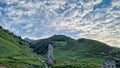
column 71, row 53
column 68, row 52
column 15, row 52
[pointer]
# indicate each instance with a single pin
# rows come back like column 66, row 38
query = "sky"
column 36, row 19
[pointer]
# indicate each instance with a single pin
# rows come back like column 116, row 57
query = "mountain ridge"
column 74, row 51
column 29, row 40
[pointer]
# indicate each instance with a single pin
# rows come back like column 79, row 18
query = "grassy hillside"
column 14, row 52
column 84, row 53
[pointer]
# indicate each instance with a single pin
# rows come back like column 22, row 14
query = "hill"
column 84, row 53
column 40, row 46
column 15, row 52
column 28, row 40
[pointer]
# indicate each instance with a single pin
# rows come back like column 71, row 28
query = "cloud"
column 94, row 19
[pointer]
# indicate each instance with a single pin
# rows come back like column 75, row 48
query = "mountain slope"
column 40, row 46
column 28, row 40
column 71, row 52
column 14, row 51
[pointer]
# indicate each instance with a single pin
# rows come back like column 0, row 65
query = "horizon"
column 36, row 19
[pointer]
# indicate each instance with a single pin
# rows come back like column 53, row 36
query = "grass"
column 15, row 52
column 83, row 52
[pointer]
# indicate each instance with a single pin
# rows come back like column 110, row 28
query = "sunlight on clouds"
column 80, row 19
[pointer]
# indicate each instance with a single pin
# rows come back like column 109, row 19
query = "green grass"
column 15, row 52
column 83, row 52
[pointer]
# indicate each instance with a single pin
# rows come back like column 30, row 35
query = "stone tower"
column 50, row 54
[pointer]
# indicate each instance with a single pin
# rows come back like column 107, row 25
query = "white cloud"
column 11, row 1
column 100, row 25
column 45, row 18
column 28, row 26
column 116, row 3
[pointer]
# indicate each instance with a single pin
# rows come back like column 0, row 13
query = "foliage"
column 90, row 53
column 15, row 52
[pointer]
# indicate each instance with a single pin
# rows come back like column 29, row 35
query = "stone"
column 50, row 54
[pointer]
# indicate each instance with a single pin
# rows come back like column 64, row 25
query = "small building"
column 113, row 63
column 117, row 62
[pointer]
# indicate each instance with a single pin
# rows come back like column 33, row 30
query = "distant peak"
column 28, row 39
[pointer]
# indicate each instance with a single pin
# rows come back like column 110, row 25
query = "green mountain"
column 80, row 53
column 15, row 52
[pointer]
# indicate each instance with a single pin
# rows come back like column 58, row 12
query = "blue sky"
column 93, row 19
